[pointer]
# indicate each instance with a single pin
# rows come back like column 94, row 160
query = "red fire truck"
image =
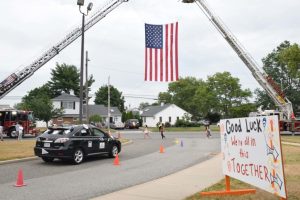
column 10, row 117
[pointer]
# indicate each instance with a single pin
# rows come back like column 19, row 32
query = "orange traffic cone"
column 161, row 149
column 20, row 181
column 116, row 161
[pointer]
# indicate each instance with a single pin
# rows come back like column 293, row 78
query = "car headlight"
column 61, row 140
column 38, row 139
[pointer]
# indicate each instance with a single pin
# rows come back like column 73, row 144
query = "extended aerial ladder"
column 266, row 82
column 16, row 78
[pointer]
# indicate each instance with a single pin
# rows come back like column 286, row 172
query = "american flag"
column 161, row 52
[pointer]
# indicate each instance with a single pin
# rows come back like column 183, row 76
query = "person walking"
column 1, row 131
column 208, row 131
column 146, row 132
column 20, row 132
column 17, row 127
column 161, row 130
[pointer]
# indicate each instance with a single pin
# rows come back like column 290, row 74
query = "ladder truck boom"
column 16, row 78
column 266, row 82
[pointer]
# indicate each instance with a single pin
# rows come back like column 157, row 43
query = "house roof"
column 152, row 110
column 66, row 97
column 102, row 110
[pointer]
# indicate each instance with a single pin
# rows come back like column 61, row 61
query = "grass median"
column 292, row 173
column 16, row 149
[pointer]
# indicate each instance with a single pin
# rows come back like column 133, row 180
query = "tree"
column 64, row 79
column 282, row 64
column 95, row 118
column 205, row 101
column 182, row 92
column 41, row 105
column 143, row 105
column 164, row 97
column 116, row 98
column 228, row 92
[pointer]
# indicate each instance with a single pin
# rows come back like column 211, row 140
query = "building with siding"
column 152, row 115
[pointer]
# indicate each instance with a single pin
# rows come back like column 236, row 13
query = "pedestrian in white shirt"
column 1, row 131
column 20, row 132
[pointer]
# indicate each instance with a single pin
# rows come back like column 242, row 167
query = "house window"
column 170, row 119
column 59, row 119
column 75, row 119
column 160, row 119
column 67, row 105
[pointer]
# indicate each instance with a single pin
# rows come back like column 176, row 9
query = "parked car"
column 75, row 143
column 119, row 125
column 132, row 123
column 204, row 122
column 115, row 125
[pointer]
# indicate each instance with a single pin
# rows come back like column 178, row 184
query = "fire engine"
column 10, row 117
column 287, row 119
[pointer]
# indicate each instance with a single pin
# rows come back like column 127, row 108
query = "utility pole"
column 108, row 105
column 89, row 8
column 87, row 87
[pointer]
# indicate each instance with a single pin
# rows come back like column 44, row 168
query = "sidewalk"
column 176, row 186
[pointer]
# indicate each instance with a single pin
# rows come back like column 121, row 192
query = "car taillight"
column 61, row 140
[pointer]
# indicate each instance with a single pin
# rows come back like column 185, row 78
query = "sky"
column 116, row 43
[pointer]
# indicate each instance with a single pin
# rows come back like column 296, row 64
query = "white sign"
column 252, row 152
column 102, row 145
column 90, row 144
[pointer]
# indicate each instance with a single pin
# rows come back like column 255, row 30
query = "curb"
column 17, row 160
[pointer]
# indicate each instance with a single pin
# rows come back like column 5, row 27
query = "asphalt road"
column 140, row 162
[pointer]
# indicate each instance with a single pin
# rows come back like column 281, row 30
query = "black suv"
column 75, row 143
column 132, row 123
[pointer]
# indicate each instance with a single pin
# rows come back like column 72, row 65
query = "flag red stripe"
column 146, row 62
column 150, row 63
column 156, row 59
column 161, row 65
column 171, row 51
column 176, row 51
column 166, row 51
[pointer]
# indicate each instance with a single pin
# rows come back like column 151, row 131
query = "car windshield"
column 57, row 131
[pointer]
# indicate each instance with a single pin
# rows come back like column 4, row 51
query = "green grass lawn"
column 290, row 138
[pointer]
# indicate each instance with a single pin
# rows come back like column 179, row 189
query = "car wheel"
column 114, row 151
column 78, row 156
column 13, row 133
column 46, row 159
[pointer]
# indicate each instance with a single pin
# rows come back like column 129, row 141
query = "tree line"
column 219, row 96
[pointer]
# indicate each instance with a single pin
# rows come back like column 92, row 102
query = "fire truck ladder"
column 270, row 86
column 18, row 77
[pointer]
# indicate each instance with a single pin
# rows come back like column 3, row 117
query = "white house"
column 70, row 105
column 115, row 114
column 152, row 115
